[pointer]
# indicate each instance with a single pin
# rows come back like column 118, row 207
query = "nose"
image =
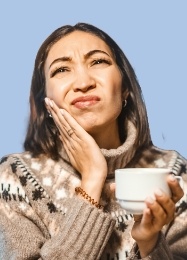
column 84, row 81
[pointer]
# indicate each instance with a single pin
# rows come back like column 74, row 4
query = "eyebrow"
column 90, row 53
column 60, row 59
column 86, row 56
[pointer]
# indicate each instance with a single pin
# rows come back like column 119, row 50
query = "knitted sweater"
column 42, row 218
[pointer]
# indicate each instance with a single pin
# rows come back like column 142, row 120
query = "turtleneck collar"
column 116, row 158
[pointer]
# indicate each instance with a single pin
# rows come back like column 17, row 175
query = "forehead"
column 78, row 41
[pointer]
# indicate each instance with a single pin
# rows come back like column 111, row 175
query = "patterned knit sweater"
column 41, row 217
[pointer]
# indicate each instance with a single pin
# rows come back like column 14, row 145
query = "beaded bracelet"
column 80, row 191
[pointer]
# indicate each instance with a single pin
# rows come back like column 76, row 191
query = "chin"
column 88, row 123
column 89, row 128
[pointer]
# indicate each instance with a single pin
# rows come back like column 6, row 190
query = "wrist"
column 81, row 193
column 147, row 246
column 94, row 191
column 93, row 187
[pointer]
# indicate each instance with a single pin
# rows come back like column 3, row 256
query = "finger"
column 68, row 121
column 166, row 203
column 49, row 106
column 80, row 132
column 68, row 148
column 146, row 218
column 59, row 124
column 158, row 213
column 176, row 190
column 64, row 128
column 162, row 209
column 56, row 110
column 113, row 187
column 58, row 117
column 112, row 190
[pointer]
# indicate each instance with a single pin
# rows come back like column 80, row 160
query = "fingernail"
column 51, row 103
column 158, row 192
column 47, row 101
column 150, row 200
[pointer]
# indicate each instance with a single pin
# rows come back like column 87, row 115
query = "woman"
column 87, row 119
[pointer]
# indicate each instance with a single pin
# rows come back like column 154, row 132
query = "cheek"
column 116, row 98
column 57, row 94
column 116, row 81
column 53, row 91
column 49, row 89
column 116, row 88
column 49, row 92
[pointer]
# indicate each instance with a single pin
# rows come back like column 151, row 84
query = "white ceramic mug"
column 133, row 185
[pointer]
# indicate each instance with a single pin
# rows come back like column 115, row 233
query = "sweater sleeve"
column 86, row 231
column 161, row 251
column 29, row 230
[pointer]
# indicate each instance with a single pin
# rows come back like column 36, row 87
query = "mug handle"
column 180, row 180
column 181, row 183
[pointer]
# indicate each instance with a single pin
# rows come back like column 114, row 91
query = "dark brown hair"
column 42, row 134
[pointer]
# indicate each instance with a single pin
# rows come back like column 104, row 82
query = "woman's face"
column 83, row 78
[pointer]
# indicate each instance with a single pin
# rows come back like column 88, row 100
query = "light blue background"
column 151, row 33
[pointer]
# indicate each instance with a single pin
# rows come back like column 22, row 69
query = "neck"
column 119, row 157
column 116, row 157
column 108, row 139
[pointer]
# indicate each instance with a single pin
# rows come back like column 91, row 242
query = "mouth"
column 85, row 101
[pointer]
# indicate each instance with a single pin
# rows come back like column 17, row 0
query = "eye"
column 101, row 61
column 58, row 71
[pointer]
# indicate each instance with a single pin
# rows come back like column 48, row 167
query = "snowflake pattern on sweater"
column 49, row 183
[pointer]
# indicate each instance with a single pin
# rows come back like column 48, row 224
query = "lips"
column 85, row 101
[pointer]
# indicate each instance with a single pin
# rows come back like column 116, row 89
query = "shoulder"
column 8, row 162
column 7, row 165
column 18, row 169
column 171, row 159
column 9, row 157
column 153, row 156
column 9, row 181
column 13, row 165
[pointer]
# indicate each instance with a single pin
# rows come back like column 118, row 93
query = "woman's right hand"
column 84, row 153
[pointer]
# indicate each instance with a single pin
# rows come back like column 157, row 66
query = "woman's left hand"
column 158, row 213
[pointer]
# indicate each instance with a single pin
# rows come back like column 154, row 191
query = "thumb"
column 113, row 187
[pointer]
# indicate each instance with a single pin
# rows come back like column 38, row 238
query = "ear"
column 125, row 94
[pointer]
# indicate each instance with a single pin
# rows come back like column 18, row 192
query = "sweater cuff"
column 161, row 251
column 83, row 235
